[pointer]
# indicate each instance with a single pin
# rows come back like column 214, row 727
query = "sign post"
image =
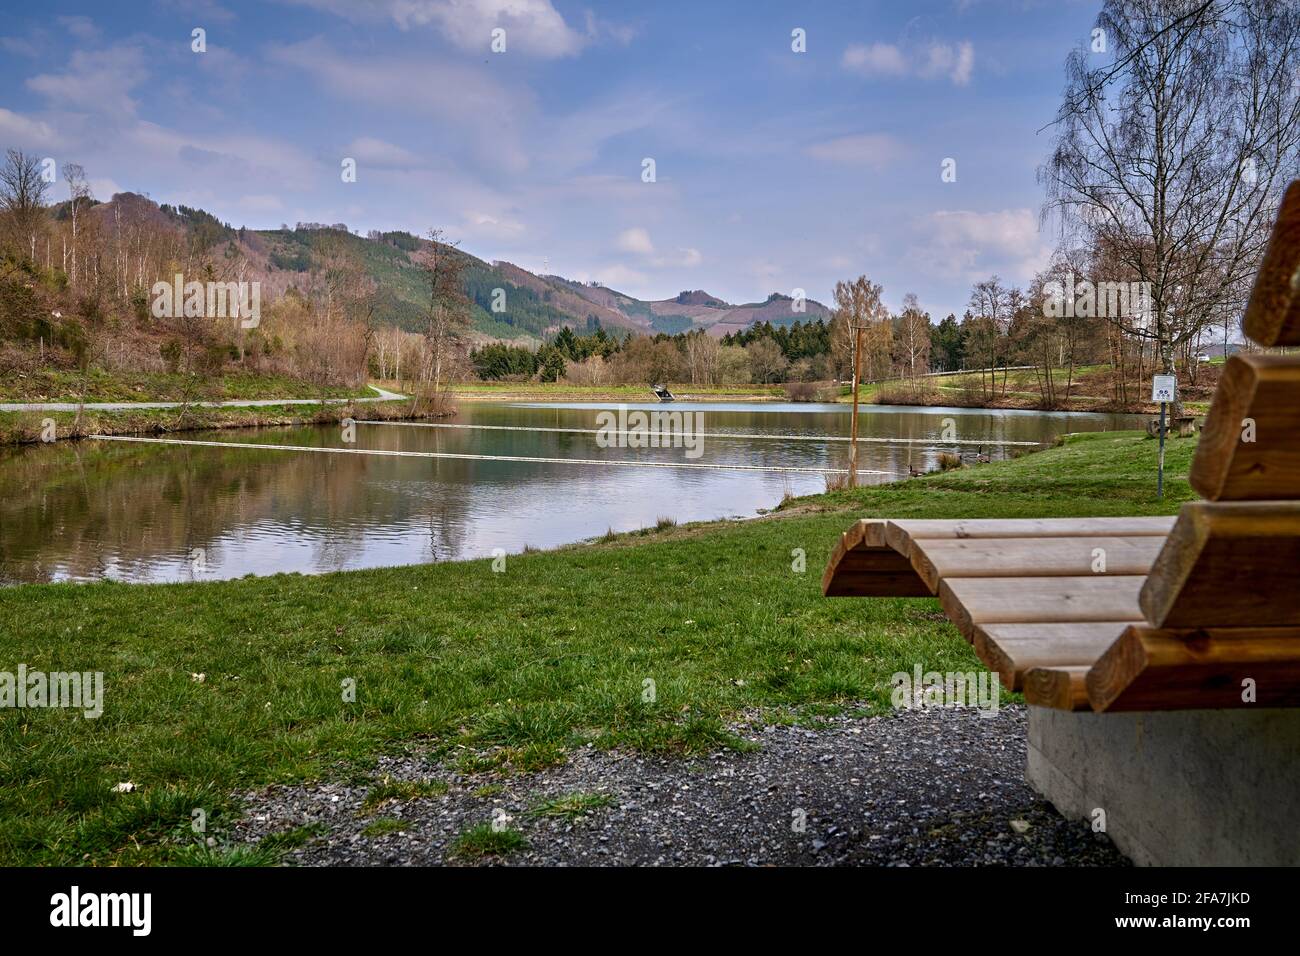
column 1164, row 389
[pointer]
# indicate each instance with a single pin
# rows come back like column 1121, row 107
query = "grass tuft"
column 483, row 841
column 572, row 805
column 383, row 825
column 200, row 854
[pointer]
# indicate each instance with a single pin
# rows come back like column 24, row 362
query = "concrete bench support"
column 1179, row 788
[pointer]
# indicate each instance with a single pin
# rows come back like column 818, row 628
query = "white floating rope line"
column 649, row 432
column 789, row 469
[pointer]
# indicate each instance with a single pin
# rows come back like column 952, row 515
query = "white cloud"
column 933, row 59
column 878, row 58
column 95, row 82
column 622, row 34
column 209, row 10
column 954, row 62
column 487, row 226
column 19, row 130
column 877, row 150
column 489, row 113
column 369, row 151
column 576, row 139
column 533, row 27
column 103, row 188
column 83, row 28
column 635, row 240
column 963, row 243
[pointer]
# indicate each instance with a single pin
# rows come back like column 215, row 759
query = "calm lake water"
column 151, row 512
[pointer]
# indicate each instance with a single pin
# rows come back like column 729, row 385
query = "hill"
column 535, row 306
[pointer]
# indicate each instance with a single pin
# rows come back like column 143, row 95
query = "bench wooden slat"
column 1228, row 564
column 972, row 601
column 877, row 572
column 862, row 566
column 1175, row 669
column 1014, row 649
column 936, row 558
column 1061, row 688
column 1260, row 461
column 899, row 533
column 1273, row 313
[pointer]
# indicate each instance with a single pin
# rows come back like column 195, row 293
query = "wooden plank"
column 900, row 533
column 867, row 533
column 1273, row 313
column 861, row 566
column 1250, row 445
column 1061, row 688
column 1184, row 669
column 849, row 540
column 1228, row 564
column 1014, row 649
column 972, row 601
column 936, row 558
column 878, row 572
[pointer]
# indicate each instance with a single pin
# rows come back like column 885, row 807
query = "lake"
column 158, row 512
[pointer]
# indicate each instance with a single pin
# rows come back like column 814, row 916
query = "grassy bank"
column 1092, row 389
column 219, row 686
column 566, row 392
column 20, row 428
column 111, row 385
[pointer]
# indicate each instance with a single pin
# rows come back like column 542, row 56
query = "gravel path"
column 909, row 789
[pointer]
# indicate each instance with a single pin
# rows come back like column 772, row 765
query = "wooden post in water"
column 857, row 379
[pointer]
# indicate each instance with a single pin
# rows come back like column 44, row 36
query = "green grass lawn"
column 492, row 671
column 27, row 427
column 566, row 391
column 104, row 385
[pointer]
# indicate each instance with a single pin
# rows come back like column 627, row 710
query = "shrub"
column 801, row 391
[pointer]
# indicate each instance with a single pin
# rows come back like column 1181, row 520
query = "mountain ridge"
column 533, row 306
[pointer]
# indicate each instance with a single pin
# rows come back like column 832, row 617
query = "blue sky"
column 775, row 170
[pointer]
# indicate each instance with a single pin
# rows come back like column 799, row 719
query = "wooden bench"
column 1111, row 614
column 1184, row 426
column 1142, row 615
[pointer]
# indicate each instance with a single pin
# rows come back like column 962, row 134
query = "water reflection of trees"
column 138, row 511
column 80, row 510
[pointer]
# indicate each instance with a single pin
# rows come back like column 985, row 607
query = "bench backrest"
column 1233, row 560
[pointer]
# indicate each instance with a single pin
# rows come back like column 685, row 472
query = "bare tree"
column 348, row 298
column 766, row 360
column 22, row 200
column 1172, row 156
column 992, row 305
column 858, row 305
column 447, row 317
column 913, row 338
column 702, row 354
column 78, row 192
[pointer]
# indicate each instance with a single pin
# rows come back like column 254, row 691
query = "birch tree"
column 1173, row 149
